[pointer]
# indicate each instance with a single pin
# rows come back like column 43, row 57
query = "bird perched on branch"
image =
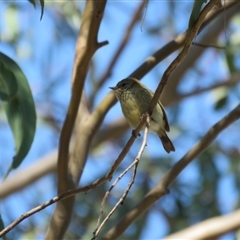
column 135, row 99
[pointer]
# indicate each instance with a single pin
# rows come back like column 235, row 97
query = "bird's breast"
column 131, row 111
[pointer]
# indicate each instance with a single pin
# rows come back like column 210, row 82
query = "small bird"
column 135, row 99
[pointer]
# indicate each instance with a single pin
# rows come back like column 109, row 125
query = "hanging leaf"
column 230, row 54
column 8, row 89
column 197, row 7
column 2, row 227
column 42, row 8
column 18, row 104
column 33, row 2
column 221, row 103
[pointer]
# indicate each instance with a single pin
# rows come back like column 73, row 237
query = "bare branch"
column 231, row 81
column 212, row 228
column 208, row 45
column 121, row 200
column 28, row 175
column 161, row 188
column 87, row 44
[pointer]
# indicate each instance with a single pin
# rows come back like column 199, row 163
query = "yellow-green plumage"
column 135, row 99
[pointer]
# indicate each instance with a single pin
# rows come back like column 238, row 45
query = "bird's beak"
column 113, row 88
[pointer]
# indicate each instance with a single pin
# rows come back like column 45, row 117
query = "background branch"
column 211, row 228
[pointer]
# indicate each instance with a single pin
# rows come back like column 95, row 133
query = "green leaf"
column 2, row 227
column 1, row 223
column 42, row 8
column 19, row 107
column 8, row 89
column 230, row 54
column 33, row 2
column 197, row 7
column 221, row 103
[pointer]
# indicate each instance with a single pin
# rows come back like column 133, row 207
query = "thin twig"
column 212, row 228
column 110, row 189
column 232, row 80
column 144, row 14
column 208, row 46
column 121, row 200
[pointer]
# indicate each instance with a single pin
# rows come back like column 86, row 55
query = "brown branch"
column 121, row 200
column 122, row 45
column 208, row 45
column 191, row 34
column 231, row 81
column 87, row 44
column 211, row 228
column 161, row 188
column 28, row 175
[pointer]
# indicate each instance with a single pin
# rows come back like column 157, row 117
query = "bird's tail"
column 166, row 142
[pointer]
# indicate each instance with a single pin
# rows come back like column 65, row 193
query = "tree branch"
column 87, row 44
column 211, row 228
column 231, row 81
column 191, row 34
column 162, row 186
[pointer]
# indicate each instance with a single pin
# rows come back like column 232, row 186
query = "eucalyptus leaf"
column 230, row 54
column 197, row 7
column 221, row 103
column 1, row 223
column 33, row 2
column 42, row 8
column 8, row 84
column 2, row 227
column 18, row 106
